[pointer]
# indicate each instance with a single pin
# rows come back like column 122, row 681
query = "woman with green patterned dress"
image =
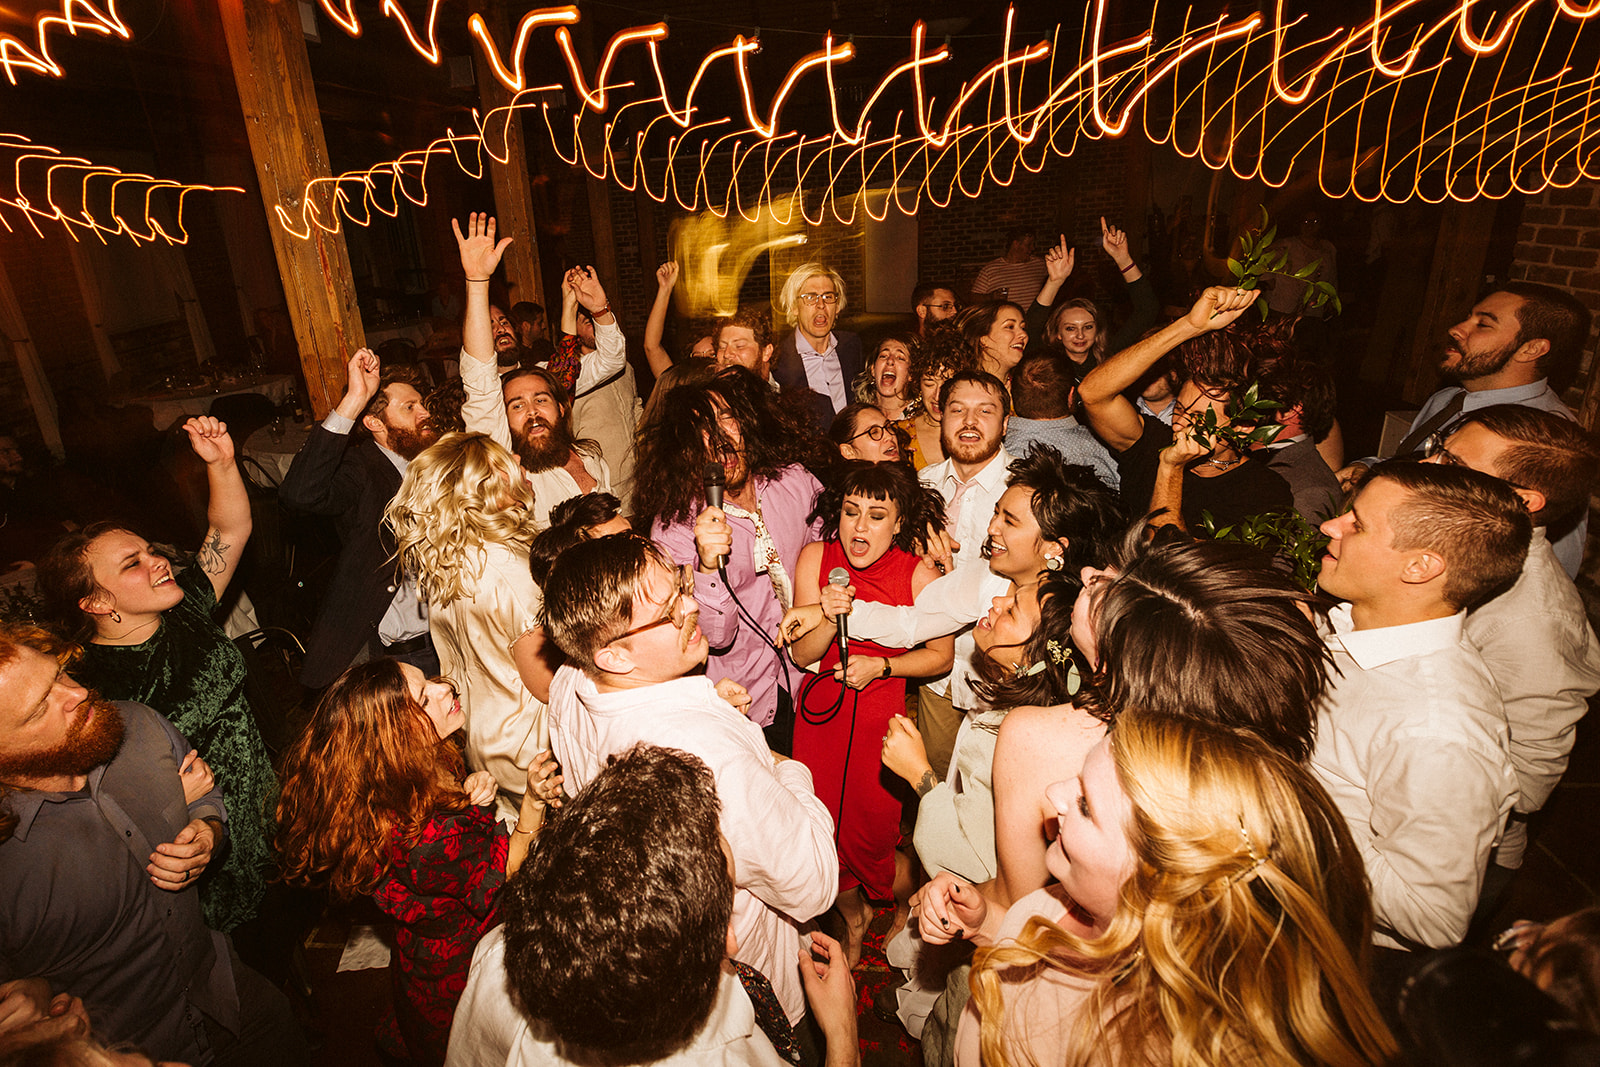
column 148, row 636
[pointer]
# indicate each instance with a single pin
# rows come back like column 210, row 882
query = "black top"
column 1251, row 488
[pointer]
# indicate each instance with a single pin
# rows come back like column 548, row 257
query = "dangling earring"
column 1052, row 563
column 115, row 617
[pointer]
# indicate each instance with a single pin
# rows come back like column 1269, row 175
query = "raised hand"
column 1115, row 242
column 361, row 373
column 591, row 294
column 480, row 254
column 209, row 439
column 667, row 275
column 1218, row 306
column 1059, row 261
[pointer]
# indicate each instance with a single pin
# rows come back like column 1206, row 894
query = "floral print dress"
column 441, row 891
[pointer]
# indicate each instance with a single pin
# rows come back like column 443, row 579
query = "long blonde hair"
column 462, row 493
column 1242, row 935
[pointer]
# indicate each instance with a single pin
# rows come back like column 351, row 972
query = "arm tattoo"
column 210, row 555
column 926, row 784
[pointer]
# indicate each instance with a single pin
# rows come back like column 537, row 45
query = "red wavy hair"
column 368, row 774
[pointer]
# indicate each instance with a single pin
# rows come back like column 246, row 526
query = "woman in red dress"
column 374, row 803
column 873, row 517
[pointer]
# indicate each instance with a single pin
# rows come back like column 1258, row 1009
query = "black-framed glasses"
column 675, row 613
column 875, row 431
column 812, row 299
column 948, row 305
column 1434, row 448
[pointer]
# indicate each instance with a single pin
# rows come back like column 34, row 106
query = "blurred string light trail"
column 1419, row 100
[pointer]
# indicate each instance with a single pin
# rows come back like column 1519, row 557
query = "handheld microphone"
column 714, row 481
column 841, row 578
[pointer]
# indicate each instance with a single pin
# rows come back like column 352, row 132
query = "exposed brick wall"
column 1558, row 243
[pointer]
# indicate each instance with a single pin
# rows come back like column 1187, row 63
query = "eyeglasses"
column 674, row 611
column 875, row 431
column 948, row 305
column 1434, row 448
column 813, row 299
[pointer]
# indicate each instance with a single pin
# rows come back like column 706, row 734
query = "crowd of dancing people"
column 1076, row 661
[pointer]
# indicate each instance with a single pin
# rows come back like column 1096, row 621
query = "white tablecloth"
column 171, row 406
column 275, row 452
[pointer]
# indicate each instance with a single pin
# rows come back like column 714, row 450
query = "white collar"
column 1385, row 644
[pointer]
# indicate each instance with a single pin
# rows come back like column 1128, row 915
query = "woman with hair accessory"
column 376, row 801
column 463, row 521
column 1211, row 908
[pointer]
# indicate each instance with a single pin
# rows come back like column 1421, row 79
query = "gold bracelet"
column 885, row 673
column 520, row 830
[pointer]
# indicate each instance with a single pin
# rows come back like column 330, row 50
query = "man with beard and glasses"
column 628, row 620
column 1509, row 349
column 529, row 411
column 371, row 608
column 102, row 838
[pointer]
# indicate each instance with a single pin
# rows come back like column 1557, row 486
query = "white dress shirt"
column 1412, row 747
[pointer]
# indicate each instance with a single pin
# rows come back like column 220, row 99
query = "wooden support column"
column 605, row 238
column 276, row 94
column 34, row 381
column 1458, row 258
column 94, row 306
column 513, row 192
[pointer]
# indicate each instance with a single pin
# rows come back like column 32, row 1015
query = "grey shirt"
column 81, row 912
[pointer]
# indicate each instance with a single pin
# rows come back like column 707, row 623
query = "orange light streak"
column 75, row 15
column 1233, row 103
column 44, row 182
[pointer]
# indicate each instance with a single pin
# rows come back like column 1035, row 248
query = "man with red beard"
column 534, row 418
column 101, row 841
column 371, row 609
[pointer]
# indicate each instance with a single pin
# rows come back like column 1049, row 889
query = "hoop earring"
column 115, row 617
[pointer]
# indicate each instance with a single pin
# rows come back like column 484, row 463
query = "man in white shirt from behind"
column 1411, row 733
column 616, row 939
column 1535, row 636
column 627, row 619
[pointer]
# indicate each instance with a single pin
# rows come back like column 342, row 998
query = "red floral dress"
column 441, row 892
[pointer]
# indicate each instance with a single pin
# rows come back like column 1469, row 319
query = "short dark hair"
column 976, row 377
column 1071, row 503
column 843, row 427
column 923, row 290
column 919, row 506
column 616, row 927
column 563, row 399
column 1292, row 382
column 589, row 591
column 940, row 349
column 757, row 318
column 569, row 522
column 526, row 312
column 1208, row 630
column 1556, row 316
column 1545, row 453
column 1041, row 386
column 1475, row 521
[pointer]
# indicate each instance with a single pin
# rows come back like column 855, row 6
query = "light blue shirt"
column 823, row 372
column 1067, row 436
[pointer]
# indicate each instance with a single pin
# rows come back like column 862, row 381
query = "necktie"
column 1418, row 437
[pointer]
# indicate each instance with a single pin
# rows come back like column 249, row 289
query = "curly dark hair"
column 687, row 435
column 616, row 926
column 940, row 350
column 1043, row 673
column 897, row 483
column 1071, row 503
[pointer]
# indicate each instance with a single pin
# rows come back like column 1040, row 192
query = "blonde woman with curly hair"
column 463, row 520
column 1211, row 909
